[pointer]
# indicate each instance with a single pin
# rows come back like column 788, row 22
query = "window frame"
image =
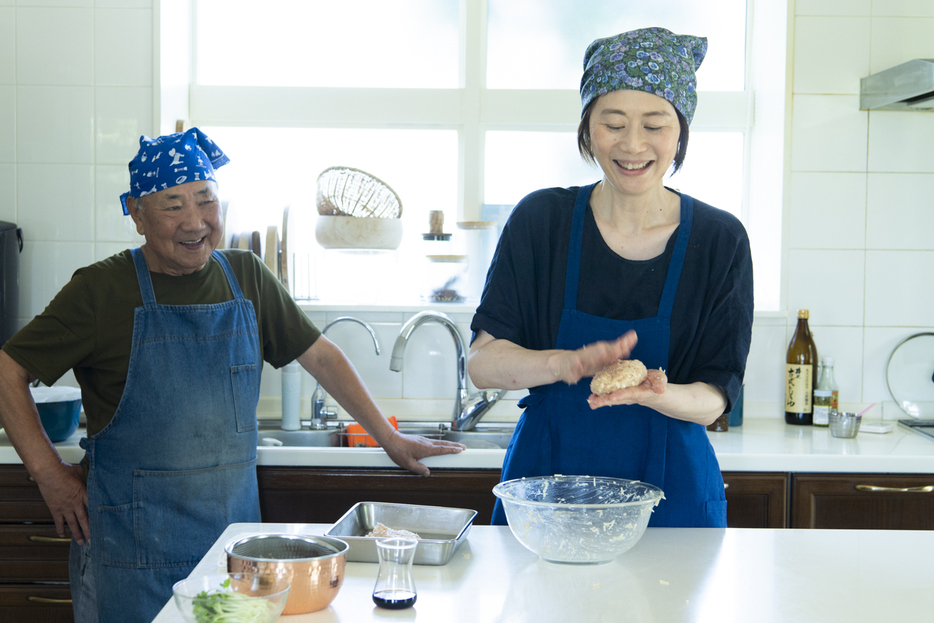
column 471, row 110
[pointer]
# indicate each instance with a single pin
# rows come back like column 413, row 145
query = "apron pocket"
column 244, row 381
column 117, row 543
column 179, row 515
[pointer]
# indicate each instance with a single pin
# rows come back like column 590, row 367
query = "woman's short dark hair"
column 586, row 151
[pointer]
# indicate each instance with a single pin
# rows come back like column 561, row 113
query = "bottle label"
column 821, row 415
column 798, row 387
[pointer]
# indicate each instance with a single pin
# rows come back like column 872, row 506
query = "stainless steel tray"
column 441, row 530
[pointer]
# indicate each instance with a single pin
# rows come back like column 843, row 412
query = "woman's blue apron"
column 177, row 463
column 559, row 434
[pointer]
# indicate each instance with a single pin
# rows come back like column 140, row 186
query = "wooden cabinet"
column 324, row 494
column 863, row 501
column 33, row 558
column 756, row 499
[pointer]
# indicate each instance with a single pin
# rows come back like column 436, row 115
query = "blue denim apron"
column 177, row 463
column 559, row 434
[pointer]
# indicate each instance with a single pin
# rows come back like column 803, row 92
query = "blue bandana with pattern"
column 172, row 160
column 654, row 60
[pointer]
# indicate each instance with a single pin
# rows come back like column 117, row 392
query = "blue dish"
column 59, row 419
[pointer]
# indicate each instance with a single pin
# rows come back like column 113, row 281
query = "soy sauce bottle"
column 800, row 374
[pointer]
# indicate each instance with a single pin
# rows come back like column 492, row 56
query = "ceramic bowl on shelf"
column 578, row 519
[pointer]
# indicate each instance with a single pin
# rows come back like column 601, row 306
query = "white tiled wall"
column 76, row 91
column 860, row 209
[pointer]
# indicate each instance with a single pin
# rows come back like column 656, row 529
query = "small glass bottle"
column 822, row 398
column 395, row 586
column 827, row 382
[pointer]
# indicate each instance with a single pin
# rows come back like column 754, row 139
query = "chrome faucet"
column 319, row 411
column 468, row 408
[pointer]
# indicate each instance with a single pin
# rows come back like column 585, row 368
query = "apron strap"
column 572, row 278
column 231, row 278
column 142, row 275
column 677, row 258
column 145, row 281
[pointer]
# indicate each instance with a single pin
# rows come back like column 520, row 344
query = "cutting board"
column 272, row 249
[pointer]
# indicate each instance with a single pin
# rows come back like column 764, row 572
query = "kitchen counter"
column 759, row 445
column 671, row 575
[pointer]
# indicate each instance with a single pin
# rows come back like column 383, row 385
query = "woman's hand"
column 571, row 366
column 654, row 385
column 407, row 450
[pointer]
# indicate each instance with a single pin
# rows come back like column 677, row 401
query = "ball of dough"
column 618, row 375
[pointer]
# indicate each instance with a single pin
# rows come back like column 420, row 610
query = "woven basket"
column 343, row 191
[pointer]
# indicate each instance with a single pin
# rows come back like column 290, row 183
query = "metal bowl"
column 578, row 519
column 844, row 425
column 314, row 565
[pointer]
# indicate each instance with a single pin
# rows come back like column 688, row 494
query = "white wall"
column 76, row 91
column 859, row 211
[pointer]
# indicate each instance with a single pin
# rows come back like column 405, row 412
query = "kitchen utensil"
column 441, row 530
column 245, row 240
column 357, row 436
column 259, row 598
column 910, row 375
column 845, row 425
column 395, row 586
column 271, row 249
column 345, row 191
column 256, row 244
column 287, row 253
column 578, row 519
column 314, row 565
column 59, row 410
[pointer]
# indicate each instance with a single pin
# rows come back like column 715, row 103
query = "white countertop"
column 671, row 575
column 759, row 445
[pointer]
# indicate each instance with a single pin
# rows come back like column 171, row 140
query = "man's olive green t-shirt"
column 88, row 326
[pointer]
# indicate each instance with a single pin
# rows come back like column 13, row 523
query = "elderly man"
column 167, row 342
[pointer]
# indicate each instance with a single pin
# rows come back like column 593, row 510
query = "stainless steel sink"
column 490, row 437
column 481, row 438
column 329, row 438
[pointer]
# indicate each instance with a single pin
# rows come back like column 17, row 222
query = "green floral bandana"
column 653, row 60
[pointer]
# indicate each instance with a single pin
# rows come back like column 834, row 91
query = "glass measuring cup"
column 395, row 586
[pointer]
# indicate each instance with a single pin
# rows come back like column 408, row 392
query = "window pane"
column 273, row 167
column 539, row 44
column 509, row 177
column 321, row 43
column 712, row 171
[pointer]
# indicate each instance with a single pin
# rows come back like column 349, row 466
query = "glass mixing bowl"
column 578, row 519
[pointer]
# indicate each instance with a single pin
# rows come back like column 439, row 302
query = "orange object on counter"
column 357, row 436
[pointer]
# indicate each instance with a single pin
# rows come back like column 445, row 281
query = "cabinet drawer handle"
column 46, row 600
column 48, row 539
column 927, row 489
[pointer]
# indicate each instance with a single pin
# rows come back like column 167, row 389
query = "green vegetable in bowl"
column 229, row 607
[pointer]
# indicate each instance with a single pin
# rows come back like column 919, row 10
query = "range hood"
column 909, row 86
